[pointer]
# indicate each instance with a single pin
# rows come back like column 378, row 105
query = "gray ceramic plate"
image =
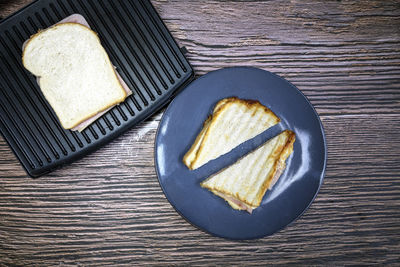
column 296, row 188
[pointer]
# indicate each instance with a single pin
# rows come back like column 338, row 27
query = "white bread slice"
column 76, row 75
column 244, row 183
column 233, row 122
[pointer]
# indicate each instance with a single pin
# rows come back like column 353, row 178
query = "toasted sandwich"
column 244, row 183
column 75, row 73
column 233, row 122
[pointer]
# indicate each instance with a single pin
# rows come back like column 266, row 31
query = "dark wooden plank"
column 7, row 7
column 344, row 55
column 109, row 208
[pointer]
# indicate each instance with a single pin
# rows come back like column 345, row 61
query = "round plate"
column 295, row 189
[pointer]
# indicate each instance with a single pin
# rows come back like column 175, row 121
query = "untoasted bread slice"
column 233, row 122
column 76, row 75
column 244, row 183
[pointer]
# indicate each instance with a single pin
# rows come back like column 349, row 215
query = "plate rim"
column 322, row 175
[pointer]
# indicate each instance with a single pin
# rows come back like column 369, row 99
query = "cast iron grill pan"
column 138, row 44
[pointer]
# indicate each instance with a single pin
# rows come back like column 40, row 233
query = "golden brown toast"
column 244, row 183
column 234, row 121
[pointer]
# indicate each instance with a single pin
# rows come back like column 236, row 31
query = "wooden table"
column 108, row 208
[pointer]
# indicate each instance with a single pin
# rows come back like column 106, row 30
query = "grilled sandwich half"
column 244, row 183
column 233, row 122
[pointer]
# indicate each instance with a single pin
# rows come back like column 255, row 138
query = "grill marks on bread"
column 234, row 121
column 244, row 183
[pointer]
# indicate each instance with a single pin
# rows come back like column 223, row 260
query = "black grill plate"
column 139, row 45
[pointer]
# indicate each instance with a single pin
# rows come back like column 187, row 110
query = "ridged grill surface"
column 138, row 44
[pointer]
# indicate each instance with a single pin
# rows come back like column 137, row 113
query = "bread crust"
column 278, row 168
column 192, row 152
column 117, row 101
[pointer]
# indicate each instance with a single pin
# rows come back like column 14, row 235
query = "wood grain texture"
column 108, row 208
column 344, row 55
